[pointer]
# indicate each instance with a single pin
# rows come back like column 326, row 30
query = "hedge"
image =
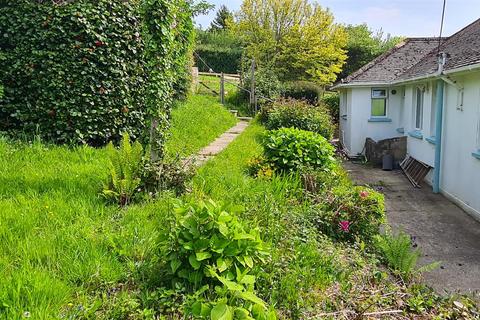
column 85, row 71
column 225, row 60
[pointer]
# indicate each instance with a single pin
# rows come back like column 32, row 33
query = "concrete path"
column 442, row 231
column 219, row 144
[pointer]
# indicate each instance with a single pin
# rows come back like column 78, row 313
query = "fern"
column 400, row 256
column 124, row 170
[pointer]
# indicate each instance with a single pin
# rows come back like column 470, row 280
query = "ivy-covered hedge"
column 85, row 71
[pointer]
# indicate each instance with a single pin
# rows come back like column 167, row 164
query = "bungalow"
column 428, row 91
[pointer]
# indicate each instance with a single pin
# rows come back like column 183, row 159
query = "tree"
column 300, row 39
column 364, row 45
column 221, row 21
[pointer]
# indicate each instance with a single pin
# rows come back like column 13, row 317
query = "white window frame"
column 382, row 97
column 415, row 108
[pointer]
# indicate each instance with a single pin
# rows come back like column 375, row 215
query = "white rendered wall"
column 460, row 172
column 361, row 128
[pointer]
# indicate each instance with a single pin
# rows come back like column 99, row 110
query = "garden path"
column 442, row 231
column 220, row 143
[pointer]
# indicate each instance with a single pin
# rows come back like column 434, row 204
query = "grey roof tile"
column 416, row 57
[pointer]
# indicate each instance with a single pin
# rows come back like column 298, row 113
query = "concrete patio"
column 442, row 231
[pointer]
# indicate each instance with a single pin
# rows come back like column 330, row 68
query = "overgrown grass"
column 196, row 123
column 62, row 248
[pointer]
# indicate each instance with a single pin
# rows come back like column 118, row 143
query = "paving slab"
column 443, row 231
column 219, row 144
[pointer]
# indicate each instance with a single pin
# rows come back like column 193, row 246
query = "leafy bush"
column 220, row 50
column 303, row 90
column 124, row 169
column 289, row 149
column 298, row 114
column 331, row 101
column 267, row 85
column 399, row 254
column 168, row 174
column 87, row 71
column 349, row 213
column 208, row 247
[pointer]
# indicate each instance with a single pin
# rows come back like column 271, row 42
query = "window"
column 419, row 96
column 379, row 103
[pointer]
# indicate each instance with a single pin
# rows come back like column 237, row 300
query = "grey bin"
column 387, row 162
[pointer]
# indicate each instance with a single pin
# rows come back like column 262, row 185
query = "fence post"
column 253, row 99
column 222, row 88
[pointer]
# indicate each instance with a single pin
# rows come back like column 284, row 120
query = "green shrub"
column 125, row 167
column 399, row 254
column 208, row 247
column 86, row 71
column 298, row 114
column 267, row 85
column 331, row 101
column 303, row 90
column 220, row 50
column 350, row 213
column 289, row 149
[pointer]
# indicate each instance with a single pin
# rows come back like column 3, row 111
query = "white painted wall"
column 460, row 173
column 359, row 112
column 420, row 149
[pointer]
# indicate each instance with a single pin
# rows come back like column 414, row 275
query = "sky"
column 409, row 18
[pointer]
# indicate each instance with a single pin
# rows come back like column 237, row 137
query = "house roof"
column 462, row 49
column 417, row 57
column 395, row 62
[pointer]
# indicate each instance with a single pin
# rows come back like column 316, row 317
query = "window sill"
column 401, row 130
column 416, row 134
column 432, row 140
column 476, row 154
column 379, row 120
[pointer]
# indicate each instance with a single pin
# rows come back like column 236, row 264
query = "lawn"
column 61, row 245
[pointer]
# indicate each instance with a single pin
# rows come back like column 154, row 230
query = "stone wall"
column 397, row 147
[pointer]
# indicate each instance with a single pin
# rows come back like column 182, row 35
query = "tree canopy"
column 300, row 39
column 364, row 45
column 222, row 19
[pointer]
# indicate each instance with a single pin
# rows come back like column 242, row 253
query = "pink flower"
column 345, row 226
column 364, row 194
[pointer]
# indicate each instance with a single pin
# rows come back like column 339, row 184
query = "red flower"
column 345, row 226
column 98, row 43
column 364, row 194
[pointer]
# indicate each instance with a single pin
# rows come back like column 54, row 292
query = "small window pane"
column 379, row 93
column 419, row 110
column 379, row 107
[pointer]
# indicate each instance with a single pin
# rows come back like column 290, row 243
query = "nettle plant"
column 217, row 257
column 289, row 149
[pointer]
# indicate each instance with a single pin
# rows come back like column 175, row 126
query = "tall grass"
column 196, row 123
column 60, row 242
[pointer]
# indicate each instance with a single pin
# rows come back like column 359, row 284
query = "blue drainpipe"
column 438, row 135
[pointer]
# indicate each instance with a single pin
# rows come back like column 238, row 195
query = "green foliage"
column 221, row 50
column 399, row 255
column 331, row 101
column 299, row 38
column 364, row 45
column 303, row 90
column 300, row 115
column 350, row 213
column 289, row 150
column 267, row 85
column 85, row 72
column 209, row 247
column 222, row 19
column 124, row 171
